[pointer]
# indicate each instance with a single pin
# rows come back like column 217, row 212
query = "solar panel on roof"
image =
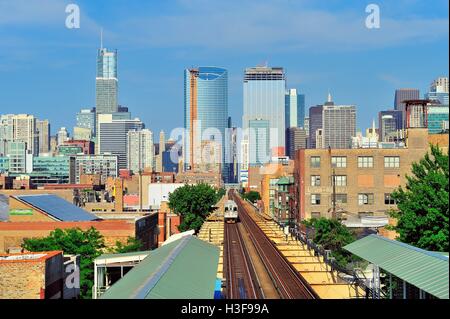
column 58, row 207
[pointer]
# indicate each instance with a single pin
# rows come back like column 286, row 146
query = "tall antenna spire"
column 101, row 38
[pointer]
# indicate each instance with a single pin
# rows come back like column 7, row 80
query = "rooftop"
column 424, row 269
column 56, row 207
column 183, row 269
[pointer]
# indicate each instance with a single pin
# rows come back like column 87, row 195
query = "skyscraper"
column 296, row 139
column 339, row 125
column 62, row 135
column 43, row 131
column 205, row 113
column 140, row 150
column 294, row 109
column 259, row 142
column 315, row 123
column 106, row 82
column 264, row 99
column 294, row 121
column 112, row 136
column 439, row 91
column 86, row 119
column 19, row 128
column 389, row 122
column 403, row 95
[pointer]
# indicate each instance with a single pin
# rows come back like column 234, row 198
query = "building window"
column 315, row 180
column 365, row 161
column 391, row 161
column 340, row 199
column 340, row 180
column 388, row 200
column 315, row 199
column 315, row 215
column 339, row 161
column 315, row 161
column 365, row 199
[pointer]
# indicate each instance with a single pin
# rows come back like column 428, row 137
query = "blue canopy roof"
column 57, row 207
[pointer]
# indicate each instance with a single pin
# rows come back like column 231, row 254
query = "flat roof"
column 57, row 207
column 424, row 269
column 183, row 269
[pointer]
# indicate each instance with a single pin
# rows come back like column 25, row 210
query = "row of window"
column 340, row 180
column 317, row 215
column 363, row 161
column 363, row 199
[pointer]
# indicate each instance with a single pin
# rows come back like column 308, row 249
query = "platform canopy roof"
column 424, row 269
column 183, row 269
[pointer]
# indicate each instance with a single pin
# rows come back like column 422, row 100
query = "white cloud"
column 273, row 25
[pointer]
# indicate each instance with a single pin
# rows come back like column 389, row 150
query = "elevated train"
column 230, row 214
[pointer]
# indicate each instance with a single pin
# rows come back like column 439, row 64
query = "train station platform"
column 317, row 273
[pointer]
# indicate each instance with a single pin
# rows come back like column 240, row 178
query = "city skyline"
column 151, row 73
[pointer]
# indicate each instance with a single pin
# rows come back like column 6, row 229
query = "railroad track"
column 288, row 281
column 240, row 275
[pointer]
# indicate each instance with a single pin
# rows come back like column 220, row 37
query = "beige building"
column 364, row 178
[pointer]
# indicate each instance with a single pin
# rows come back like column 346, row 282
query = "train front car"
column 230, row 212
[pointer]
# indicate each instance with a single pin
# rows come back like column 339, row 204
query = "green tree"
column 88, row 244
column 252, row 196
column 132, row 245
column 422, row 215
column 221, row 192
column 332, row 235
column 193, row 203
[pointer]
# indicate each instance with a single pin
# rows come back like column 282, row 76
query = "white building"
column 140, row 150
column 159, row 192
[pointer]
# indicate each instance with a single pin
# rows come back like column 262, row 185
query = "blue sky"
column 49, row 70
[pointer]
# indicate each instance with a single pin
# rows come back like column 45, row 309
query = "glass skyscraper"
column 438, row 118
column 295, row 109
column 264, row 99
column 106, row 82
column 205, row 112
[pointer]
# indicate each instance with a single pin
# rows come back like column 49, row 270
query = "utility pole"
column 334, row 194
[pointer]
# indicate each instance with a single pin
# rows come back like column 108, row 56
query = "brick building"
column 32, row 275
column 364, row 178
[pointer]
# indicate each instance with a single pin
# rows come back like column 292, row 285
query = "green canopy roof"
column 284, row 181
column 424, row 269
column 183, row 269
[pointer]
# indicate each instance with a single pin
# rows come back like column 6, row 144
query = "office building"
column 20, row 159
column 259, row 142
column 294, row 109
column 62, row 136
column 106, row 82
column 438, row 118
column 112, row 136
column 264, row 99
column 402, row 95
column 19, row 128
column 339, row 125
column 315, row 123
column 205, row 113
column 86, row 119
column 52, row 170
column 140, row 150
column 389, row 123
column 104, row 165
column 439, row 91
column 295, row 140
column 43, row 131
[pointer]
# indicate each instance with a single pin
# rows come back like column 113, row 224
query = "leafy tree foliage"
column 252, row 196
column 422, row 216
column 193, row 203
column 132, row 245
column 88, row 244
column 332, row 235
